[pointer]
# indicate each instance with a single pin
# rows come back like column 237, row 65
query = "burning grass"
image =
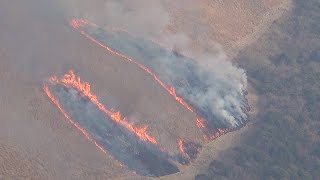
column 130, row 146
column 220, row 108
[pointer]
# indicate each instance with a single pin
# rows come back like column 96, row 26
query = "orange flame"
column 200, row 123
column 182, row 148
column 79, row 24
column 217, row 134
column 188, row 149
column 71, row 80
column 84, row 132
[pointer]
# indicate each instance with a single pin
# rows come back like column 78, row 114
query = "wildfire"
column 181, row 147
column 215, row 135
column 73, row 81
column 188, row 148
column 84, row 132
column 200, row 123
column 80, row 24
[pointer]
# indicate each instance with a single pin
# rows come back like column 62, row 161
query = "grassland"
column 283, row 66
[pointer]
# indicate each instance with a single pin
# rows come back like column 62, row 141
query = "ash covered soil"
column 37, row 142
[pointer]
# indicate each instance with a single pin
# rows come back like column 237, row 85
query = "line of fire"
column 131, row 146
column 149, row 56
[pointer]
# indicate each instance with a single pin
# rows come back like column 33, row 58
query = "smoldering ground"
column 34, row 44
column 142, row 157
column 212, row 85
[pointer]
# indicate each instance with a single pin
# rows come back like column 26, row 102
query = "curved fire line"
column 188, row 149
column 138, row 151
column 71, row 80
column 79, row 24
column 65, row 114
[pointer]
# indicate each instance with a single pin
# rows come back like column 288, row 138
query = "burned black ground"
column 190, row 78
column 142, row 157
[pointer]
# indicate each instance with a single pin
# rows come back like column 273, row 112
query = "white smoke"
column 226, row 84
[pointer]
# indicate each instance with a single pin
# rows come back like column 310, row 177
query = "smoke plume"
column 214, row 85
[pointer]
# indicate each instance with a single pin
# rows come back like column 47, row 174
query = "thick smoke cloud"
column 226, row 86
column 225, row 83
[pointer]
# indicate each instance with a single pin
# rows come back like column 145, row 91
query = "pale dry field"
column 37, row 142
column 233, row 24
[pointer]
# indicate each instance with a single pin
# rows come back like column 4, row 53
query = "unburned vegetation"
column 284, row 68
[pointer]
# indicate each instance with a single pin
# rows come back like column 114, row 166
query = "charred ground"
column 142, row 157
column 197, row 84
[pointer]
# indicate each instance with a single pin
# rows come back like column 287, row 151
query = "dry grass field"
column 37, row 142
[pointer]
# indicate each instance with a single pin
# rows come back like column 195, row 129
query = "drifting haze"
column 224, row 86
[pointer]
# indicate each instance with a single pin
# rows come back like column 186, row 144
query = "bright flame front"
column 73, row 81
column 129, row 145
column 80, row 24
